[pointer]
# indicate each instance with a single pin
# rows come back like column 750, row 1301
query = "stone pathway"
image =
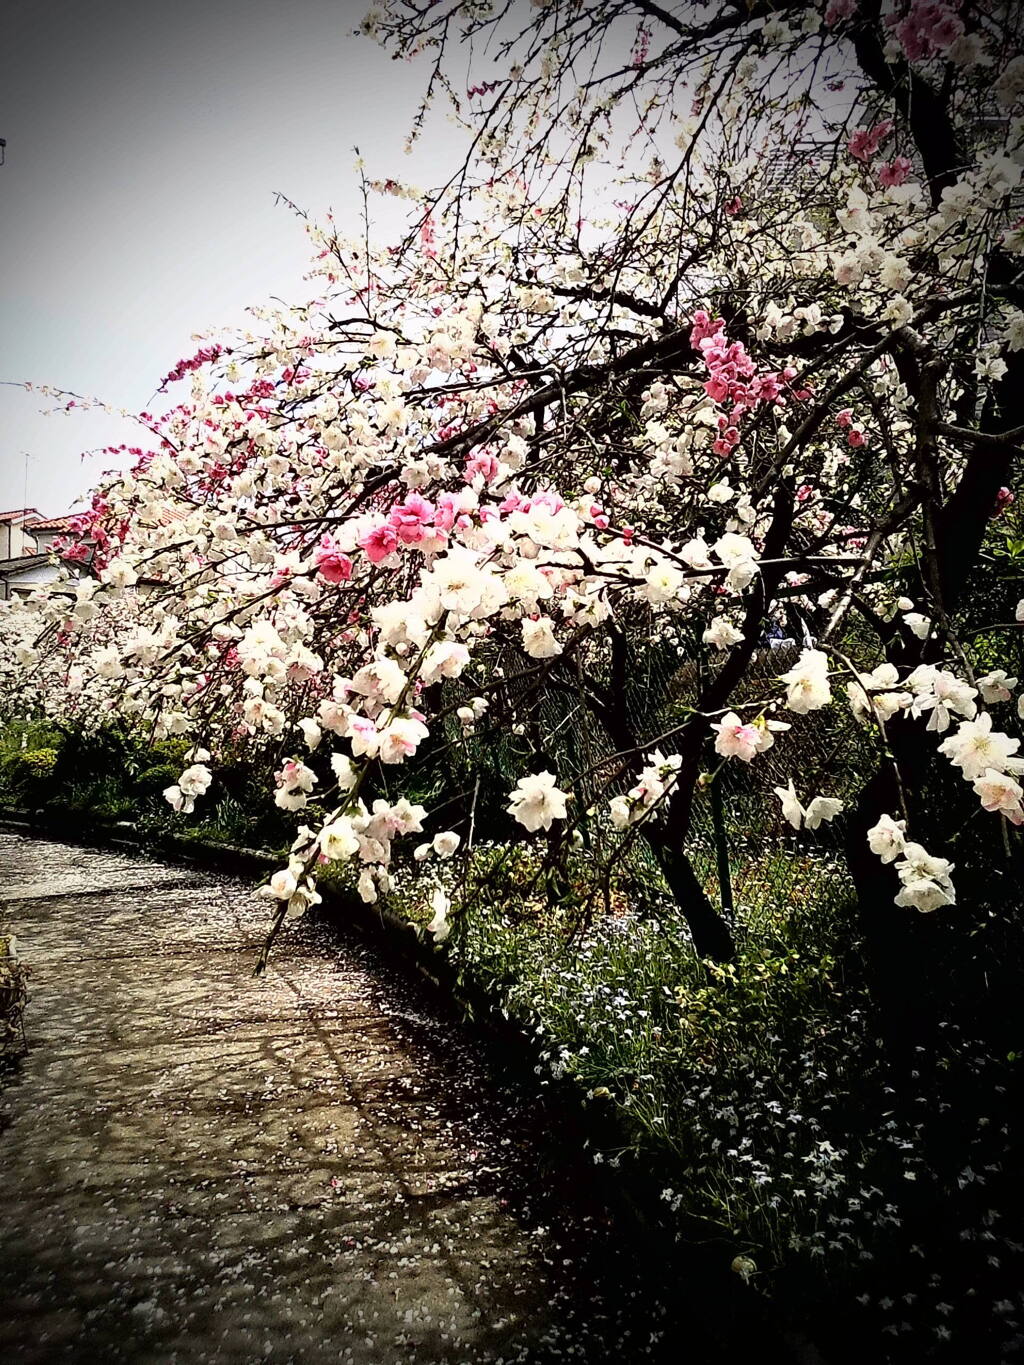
column 196, row 1165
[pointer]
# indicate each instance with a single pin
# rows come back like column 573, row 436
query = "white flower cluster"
column 924, row 880
column 655, row 780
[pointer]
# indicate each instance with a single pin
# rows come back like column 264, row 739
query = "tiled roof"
column 50, row 524
column 19, row 514
column 16, row 566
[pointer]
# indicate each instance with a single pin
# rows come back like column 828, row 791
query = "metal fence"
column 745, row 853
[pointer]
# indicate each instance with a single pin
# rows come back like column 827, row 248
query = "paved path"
column 199, row 1166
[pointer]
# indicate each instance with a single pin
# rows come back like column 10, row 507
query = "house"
column 46, row 530
column 15, row 540
column 26, row 550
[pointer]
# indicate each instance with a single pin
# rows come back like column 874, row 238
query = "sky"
column 145, row 145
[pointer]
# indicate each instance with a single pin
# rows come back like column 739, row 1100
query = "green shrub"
column 29, row 774
column 170, row 752
column 153, row 781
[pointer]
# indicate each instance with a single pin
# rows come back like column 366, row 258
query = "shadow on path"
column 313, row 1166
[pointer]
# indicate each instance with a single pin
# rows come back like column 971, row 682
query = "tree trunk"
column 711, row 935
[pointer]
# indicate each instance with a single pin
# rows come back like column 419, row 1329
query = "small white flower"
column 918, row 624
column 282, row 885
column 976, row 746
column 367, row 886
column 311, row 733
column 338, row 840
column 539, row 638
column 822, row 808
column 996, row 686
column 536, row 802
column 735, row 739
column 446, row 843
column 999, row 792
column 345, row 771
column 886, row 838
column 791, row 807
column 178, row 800
column 807, row 682
column 439, row 926
column 722, row 634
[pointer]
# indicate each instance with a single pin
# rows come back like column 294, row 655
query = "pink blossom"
column 482, row 463
column 895, row 172
column 734, row 739
column 450, row 514
column 515, row 502
column 855, row 437
column 334, row 566
column 427, row 239
column 1004, row 498
column 928, row 29
column 865, row 142
column 844, row 418
column 379, row 543
column 860, row 145
column 409, row 520
column 839, row 9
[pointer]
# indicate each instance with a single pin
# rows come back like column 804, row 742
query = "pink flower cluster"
column 1004, row 499
column 416, row 521
column 839, row 9
column 379, row 543
column 410, row 520
column 642, row 46
column 427, row 238
column 927, row 29
column 332, row 565
column 203, row 356
column 865, row 142
column 854, row 434
column 91, row 536
column 733, row 378
column 482, row 464
column 521, row 502
column 894, row 172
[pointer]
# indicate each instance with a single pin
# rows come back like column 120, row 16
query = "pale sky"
column 145, row 142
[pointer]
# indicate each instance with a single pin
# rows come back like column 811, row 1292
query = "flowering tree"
column 724, row 313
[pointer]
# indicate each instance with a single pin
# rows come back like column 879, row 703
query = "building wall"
column 14, row 541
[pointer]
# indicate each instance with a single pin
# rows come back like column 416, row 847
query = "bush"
column 29, row 774
column 153, row 781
